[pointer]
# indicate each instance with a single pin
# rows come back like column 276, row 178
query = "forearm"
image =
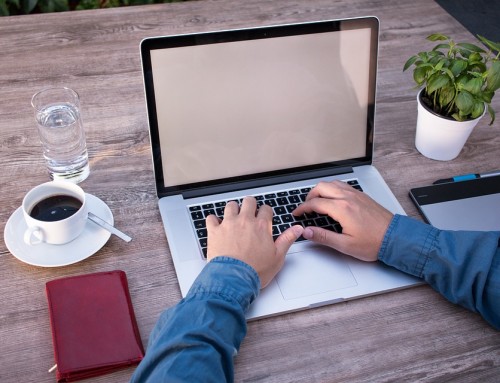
column 197, row 339
column 463, row 266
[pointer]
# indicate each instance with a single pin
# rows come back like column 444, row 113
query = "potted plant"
column 457, row 82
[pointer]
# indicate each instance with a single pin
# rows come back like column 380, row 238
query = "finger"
column 248, row 207
column 265, row 212
column 325, row 237
column 333, row 189
column 212, row 221
column 318, row 205
column 287, row 238
column 231, row 209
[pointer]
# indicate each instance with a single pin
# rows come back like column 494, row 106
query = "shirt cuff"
column 227, row 278
column 407, row 244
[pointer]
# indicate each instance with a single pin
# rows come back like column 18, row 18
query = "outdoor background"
column 21, row 7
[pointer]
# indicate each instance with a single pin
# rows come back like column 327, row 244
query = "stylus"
column 466, row 177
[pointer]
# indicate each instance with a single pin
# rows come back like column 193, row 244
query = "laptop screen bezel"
column 217, row 37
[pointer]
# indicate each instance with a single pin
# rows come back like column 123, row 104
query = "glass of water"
column 60, row 127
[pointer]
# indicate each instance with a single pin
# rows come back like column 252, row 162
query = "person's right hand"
column 364, row 222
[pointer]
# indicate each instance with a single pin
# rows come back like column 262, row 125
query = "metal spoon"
column 108, row 227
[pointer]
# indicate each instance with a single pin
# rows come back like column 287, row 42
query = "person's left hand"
column 246, row 234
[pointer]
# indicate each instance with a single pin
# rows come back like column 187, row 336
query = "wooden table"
column 409, row 335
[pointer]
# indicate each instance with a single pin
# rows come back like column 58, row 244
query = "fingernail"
column 308, row 233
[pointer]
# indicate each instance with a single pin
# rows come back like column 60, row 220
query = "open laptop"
column 267, row 112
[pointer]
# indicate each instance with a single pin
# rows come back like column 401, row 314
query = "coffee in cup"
column 55, row 213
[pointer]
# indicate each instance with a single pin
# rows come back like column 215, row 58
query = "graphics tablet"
column 465, row 205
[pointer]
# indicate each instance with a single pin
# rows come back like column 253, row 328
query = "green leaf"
column 471, row 47
column 424, row 56
column 492, row 114
column 420, row 75
column 54, row 5
column 476, row 57
column 436, row 82
column 29, row 5
column 440, row 64
column 446, row 95
column 410, row 62
column 474, row 85
column 437, row 36
column 4, row 10
column 490, row 44
column 493, row 77
column 487, row 96
column 441, row 46
column 464, row 102
column 478, row 109
column 458, row 66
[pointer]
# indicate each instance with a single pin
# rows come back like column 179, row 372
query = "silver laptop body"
column 261, row 110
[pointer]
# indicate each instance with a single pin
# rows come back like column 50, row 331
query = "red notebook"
column 94, row 330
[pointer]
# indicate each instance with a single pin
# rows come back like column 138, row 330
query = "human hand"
column 364, row 222
column 246, row 234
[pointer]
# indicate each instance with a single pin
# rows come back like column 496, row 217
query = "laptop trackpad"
column 314, row 270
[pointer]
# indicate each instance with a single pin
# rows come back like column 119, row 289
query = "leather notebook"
column 94, row 330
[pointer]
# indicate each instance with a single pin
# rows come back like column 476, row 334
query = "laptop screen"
column 235, row 104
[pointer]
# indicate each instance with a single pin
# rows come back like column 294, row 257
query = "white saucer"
column 89, row 242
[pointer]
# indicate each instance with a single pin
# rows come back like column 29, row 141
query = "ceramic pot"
column 441, row 138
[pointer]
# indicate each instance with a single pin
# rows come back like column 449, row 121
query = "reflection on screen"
column 247, row 107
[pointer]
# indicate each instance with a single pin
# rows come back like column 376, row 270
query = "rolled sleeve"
column 197, row 339
column 464, row 266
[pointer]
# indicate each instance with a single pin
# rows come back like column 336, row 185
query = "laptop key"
column 197, row 215
column 283, row 227
column 201, row 233
column 279, row 210
column 271, row 202
column 321, row 221
column 203, row 242
column 308, row 222
column 282, row 201
column 294, row 199
column 199, row 224
column 209, row 212
column 287, row 218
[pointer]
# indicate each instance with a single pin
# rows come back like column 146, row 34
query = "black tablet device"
column 464, row 205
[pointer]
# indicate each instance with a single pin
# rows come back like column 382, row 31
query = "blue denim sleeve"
column 464, row 266
column 197, row 339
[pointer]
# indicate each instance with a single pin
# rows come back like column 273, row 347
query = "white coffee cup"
column 53, row 215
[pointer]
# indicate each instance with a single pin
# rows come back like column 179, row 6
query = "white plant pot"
column 440, row 138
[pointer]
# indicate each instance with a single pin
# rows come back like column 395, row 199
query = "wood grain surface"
column 405, row 336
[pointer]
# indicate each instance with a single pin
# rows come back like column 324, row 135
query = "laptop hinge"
column 265, row 181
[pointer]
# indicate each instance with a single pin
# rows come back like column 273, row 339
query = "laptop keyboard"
column 283, row 203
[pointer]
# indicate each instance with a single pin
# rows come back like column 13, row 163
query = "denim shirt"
column 197, row 339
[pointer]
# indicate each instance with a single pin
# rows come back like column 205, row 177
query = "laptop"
column 267, row 112
column 465, row 205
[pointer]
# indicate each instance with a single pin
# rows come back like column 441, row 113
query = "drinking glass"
column 60, row 127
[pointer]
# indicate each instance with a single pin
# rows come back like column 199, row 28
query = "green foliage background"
column 20, row 7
